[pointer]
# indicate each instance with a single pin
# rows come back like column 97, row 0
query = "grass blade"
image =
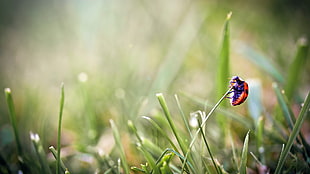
column 54, row 152
column 164, row 106
column 244, row 155
column 223, row 64
column 259, row 138
column 62, row 100
column 119, row 146
column 283, row 106
column 301, row 117
column 223, row 72
column 182, row 114
column 9, row 100
column 218, row 170
column 296, row 67
column 40, row 153
column 289, row 116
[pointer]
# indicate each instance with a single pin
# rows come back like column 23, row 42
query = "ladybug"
column 240, row 90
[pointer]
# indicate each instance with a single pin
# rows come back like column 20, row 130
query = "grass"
column 169, row 113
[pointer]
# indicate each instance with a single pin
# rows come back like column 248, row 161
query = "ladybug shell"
column 240, row 91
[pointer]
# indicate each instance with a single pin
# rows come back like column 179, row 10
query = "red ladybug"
column 240, row 90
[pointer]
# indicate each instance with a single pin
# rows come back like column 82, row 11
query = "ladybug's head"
column 235, row 79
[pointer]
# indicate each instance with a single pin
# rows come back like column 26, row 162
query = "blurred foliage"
column 114, row 56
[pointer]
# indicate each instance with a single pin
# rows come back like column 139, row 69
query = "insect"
column 240, row 90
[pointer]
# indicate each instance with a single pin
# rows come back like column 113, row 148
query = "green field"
column 140, row 87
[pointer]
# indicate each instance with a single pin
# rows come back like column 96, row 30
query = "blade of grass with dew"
column 261, row 61
column 10, row 103
column 295, row 70
column 202, row 125
column 183, row 115
column 301, row 117
column 119, row 146
column 62, row 101
column 40, row 153
column 244, row 155
column 223, row 73
column 54, row 152
column 168, row 116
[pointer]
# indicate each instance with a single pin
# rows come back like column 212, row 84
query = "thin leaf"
column 283, row 106
column 296, row 68
column 183, row 115
column 35, row 139
column 301, row 117
column 62, row 99
column 119, row 145
column 9, row 100
column 164, row 106
column 223, row 72
column 244, row 156
column 54, row 152
column 260, row 138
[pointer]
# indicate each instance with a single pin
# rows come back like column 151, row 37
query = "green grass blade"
column 283, row 106
column 183, row 115
column 119, row 146
column 10, row 103
column 223, row 72
column 260, row 138
column 261, row 61
column 62, row 100
column 167, row 114
column 223, row 62
column 40, row 153
column 54, row 152
column 218, row 170
column 289, row 116
column 244, row 155
column 301, row 117
column 296, row 68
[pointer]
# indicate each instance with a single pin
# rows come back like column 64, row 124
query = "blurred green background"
column 114, row 56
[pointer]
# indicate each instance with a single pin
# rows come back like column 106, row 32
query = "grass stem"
column 62, row 99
